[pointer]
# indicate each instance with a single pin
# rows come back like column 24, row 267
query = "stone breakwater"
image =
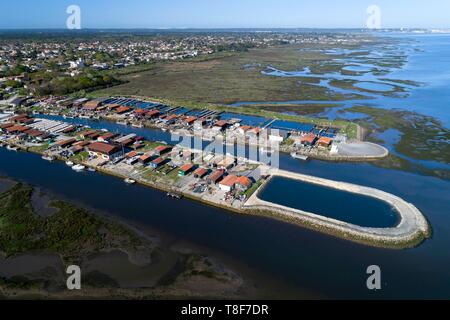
column 412, row 229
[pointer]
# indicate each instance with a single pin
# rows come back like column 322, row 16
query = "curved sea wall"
column 412, row 229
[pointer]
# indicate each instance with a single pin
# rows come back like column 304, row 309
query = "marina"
column 227, row 186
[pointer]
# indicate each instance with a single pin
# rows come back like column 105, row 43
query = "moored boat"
column 48, row 158
column 11, row 148
column 129, row 181
column 296, row 155
column 69, row 163
column 78, row 167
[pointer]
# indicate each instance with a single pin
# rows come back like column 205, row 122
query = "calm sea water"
column 286, row 253
column 345, row 206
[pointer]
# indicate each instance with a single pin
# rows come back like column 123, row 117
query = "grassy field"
column 70, row 232
column 230, row 78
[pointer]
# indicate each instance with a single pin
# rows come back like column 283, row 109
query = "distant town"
column 55, row 64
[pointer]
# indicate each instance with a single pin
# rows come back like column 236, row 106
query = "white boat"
column 92, row 170
column 48, row 158
column 11, row 148
column 69, row 163
column 129, row 181
column 78, row 167
column 295, row 155
column 137, row 125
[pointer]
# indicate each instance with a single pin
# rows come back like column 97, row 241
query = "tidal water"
column 357, row 209
column 427, row 63
column 286, row 253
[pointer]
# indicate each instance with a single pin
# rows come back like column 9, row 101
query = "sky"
column 224, row 13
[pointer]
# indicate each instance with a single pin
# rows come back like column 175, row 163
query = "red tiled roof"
column 145, row 157
column 201, row 172
column 161, row 148
column 186, row 167
column 131, row 154
column 6, row 125
column 152, row 113
column 190, row 119
column 324, row 140
column 216, row 175
column 158, row 160
column 102, row 147
column 244, row 181
column 308, row 138
column 220, row 123
column 123, row 109
column 229, row 181
column 66, row 142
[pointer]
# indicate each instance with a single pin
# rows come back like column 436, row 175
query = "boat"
column 129, row 181
column 69, row 163
column 124, row 123
column 137, row 125
column 92, row 169
column 48, row 158
column 11, row 148
column 295, row 155
column 175, row 195
column 78, row 167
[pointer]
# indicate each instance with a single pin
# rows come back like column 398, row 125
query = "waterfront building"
column 227, row 184
column 216, row 176
column 104, row 150
column 200, row 173
column 185, row 169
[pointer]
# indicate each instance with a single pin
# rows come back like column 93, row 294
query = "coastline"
column 384, row 237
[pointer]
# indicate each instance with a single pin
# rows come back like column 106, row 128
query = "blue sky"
column 224, row 13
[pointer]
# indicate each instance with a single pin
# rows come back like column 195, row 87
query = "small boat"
column 92, row 169
column 129, row 181
column 295, row 155
column 48, row 158
column 69, row 163
column 137, row 125
column 78, row 167
column 11, row 148
column 175, row 195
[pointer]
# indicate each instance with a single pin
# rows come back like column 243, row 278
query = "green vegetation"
column 69, row 232
column 39, row 149
column 46, row 84
column 298, row 109
column 350, row 85
column 80, row 156
column 422, row 137
column 226, row 79
column 248, row 193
